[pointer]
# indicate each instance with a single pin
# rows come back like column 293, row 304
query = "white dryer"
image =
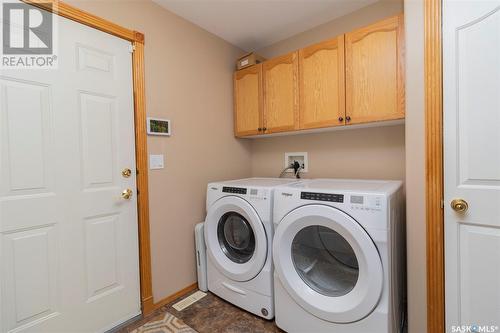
column 238, row 236
column 338, row 254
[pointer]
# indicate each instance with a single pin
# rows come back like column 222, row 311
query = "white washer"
column 238, row 236
column 338, row 254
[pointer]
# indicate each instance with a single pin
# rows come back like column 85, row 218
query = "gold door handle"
column 127, row 194
column 126, row 173
column 459, row 205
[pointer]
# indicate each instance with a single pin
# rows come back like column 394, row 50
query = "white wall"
column 415, row 167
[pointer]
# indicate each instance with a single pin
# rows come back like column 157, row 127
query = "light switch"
column 156, row 162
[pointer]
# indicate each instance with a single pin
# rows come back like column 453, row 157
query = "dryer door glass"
column 325, row 261
column 236, row 237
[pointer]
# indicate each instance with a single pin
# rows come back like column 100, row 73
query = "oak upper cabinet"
column 322, row 84
column 248, row 101
column 375, row 72
column 280, row 81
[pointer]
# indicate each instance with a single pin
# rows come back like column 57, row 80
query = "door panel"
column 102, row 256
column 98, row 121
column 30, row 275
column 471, row 74
column 26, row 110
column 68, row 240
column 475, row 242
column 322, row 84
column 280, row 77
column 248, row 100
column 374, row 72
column 478, row 101
column 94, row 60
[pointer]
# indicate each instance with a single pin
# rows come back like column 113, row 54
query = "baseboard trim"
column 174, row 296
column 147, row 306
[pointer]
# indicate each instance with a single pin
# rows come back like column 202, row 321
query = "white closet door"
column 471, row 46
column 68, row 240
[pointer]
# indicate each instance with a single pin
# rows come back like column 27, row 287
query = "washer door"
column 328, row 263
column 236, row 238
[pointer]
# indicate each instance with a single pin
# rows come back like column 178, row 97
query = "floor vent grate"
column 191, row 299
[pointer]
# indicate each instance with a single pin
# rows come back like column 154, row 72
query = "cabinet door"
column 375, row 72
column 280, row 77
column 248, row 101
column 322, row 84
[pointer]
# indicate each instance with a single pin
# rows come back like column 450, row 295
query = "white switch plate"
column 300, row 157
column 156, row 162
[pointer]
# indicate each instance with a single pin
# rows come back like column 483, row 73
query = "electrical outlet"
column 299, row 157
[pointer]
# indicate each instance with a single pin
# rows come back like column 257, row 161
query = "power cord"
column 296, row 169
column 285, row 170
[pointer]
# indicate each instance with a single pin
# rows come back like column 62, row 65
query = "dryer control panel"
column 317, row 196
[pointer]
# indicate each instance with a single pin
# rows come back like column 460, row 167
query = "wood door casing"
column 375, row 72
column 248, row 101
column 322, row 84
column 280, row 81
column 434, row 166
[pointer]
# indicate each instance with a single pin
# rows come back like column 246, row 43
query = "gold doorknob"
column 126, row 172
column 459, row 205
column 127, row 194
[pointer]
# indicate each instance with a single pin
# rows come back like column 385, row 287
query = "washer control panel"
column 366, row 202
column 250, row 193
column 237, row 190
column 322, row 196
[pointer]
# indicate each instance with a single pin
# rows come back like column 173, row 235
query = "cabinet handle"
column 341, row 119
column 264, row 129
column 348, row 118
column 260, row 129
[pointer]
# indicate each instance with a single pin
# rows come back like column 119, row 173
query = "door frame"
column 137, row 39
column 434, row 165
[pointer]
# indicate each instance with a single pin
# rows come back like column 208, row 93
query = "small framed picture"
column 157, row 126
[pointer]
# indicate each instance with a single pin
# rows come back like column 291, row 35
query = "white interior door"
column 68, row 240
column 471, row 46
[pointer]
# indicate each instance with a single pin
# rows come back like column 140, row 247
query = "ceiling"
column 254, row 24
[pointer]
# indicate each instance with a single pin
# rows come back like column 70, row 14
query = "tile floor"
column 211, row 315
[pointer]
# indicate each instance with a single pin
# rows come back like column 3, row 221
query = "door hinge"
column 442, row 204
column 131, row 48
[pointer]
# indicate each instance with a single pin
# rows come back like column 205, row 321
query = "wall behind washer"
column 188, row 80
column 361, row 153
column 369, row 153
